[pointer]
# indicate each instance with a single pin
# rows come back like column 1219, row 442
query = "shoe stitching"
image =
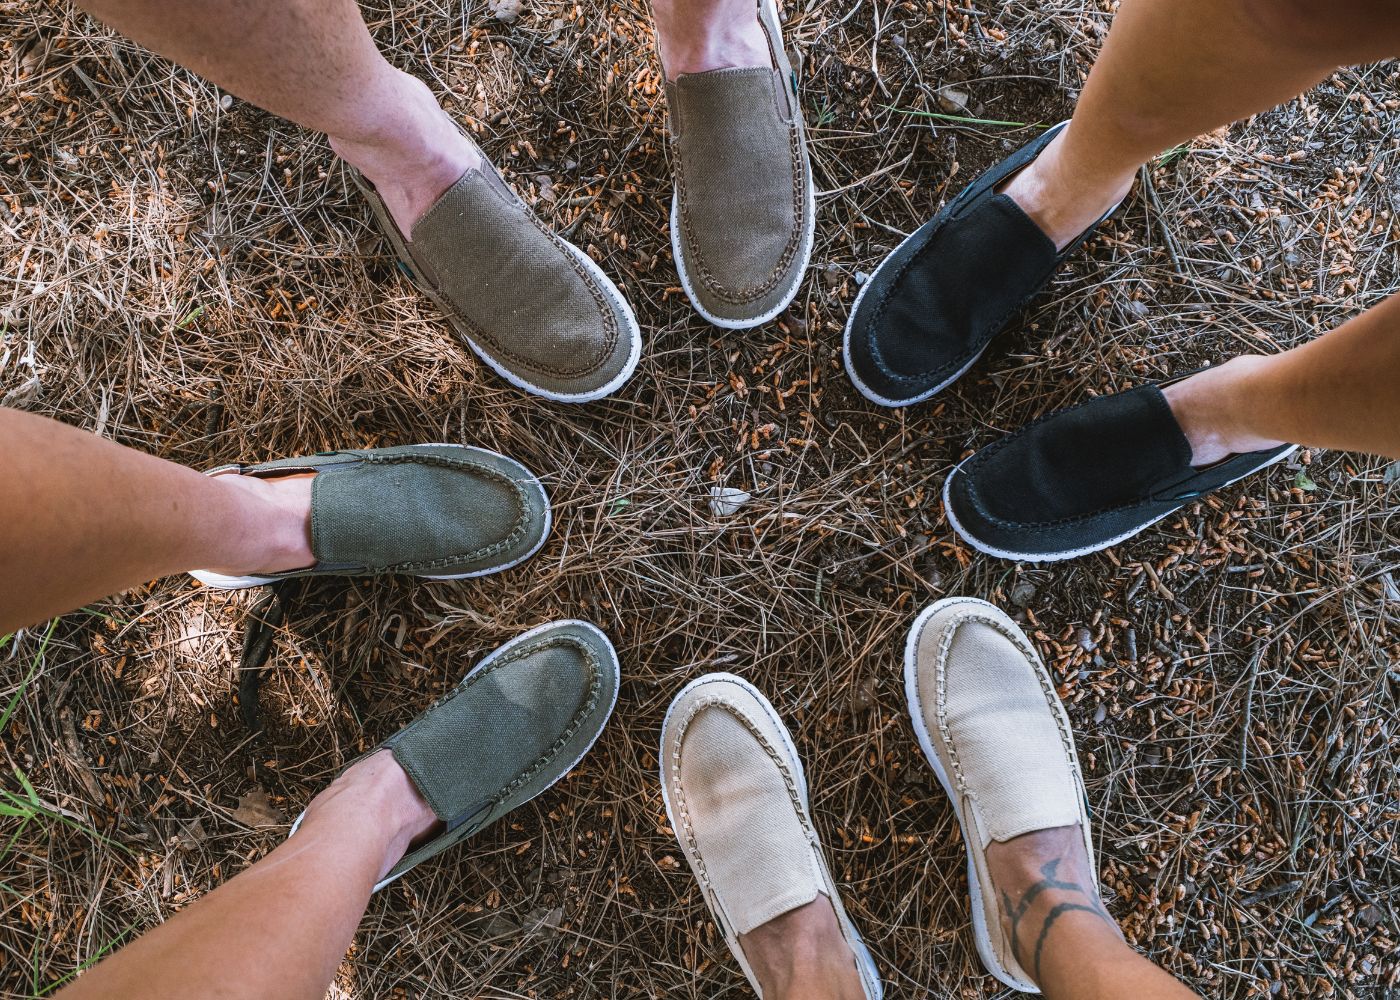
column 941, row 220
column 799, row 206
column 547, row 757
column 794, row 795
column 442, row 562
column 986, row 454
column 403, row 248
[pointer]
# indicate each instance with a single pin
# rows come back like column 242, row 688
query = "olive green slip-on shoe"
column 516, row 724
column 743, row 212
column 533, row 306
column 441, row 511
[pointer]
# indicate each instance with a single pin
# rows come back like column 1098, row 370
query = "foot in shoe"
column 1045, row 884
column 1062, row 205
column 696, row 37
column 802, row 954
column 1202, row 405
column 279, row 538
column 419, row 154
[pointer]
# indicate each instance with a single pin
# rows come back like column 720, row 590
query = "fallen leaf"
column 255, row 809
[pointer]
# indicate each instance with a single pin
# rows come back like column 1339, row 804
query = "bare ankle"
column 803, row 954
column 1061, row 202
column 273, row 533
column 1206, row 407
column 377, row 792
column 696, row 36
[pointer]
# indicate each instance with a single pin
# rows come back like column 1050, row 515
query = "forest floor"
column 192, row 277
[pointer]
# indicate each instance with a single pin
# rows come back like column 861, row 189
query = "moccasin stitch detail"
column 716, row 701
column 522, row 510
column 533, row 768
column 602, row 299
column 790, row 248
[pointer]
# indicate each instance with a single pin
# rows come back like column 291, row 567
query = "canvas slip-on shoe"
column 440, row 511
column 934, row 304
column 743, row 211
column 1085, row 478
column 992, row 728
column 533, row 306
column 736, row 798
column 516, row 723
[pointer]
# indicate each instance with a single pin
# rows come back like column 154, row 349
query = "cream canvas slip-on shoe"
column 988, row 719
column 736, row 797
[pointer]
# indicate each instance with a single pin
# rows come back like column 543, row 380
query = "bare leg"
column 802, row 954
column 278, row 930
column 1169, row 71
column 1341, row 390
column 313, row 61
column 84, row 518
column 699, row 35
column 1063, row 936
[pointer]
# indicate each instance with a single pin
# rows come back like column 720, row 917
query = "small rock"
column 1100, row 714
column 543, row 921
column 1085, row 639
column 725, row 501
column 1023, row 593
column 504, row 10
column 863, row 696
column 952, row 100
column 226, row 101
column 1138, row 308
column 1370, row 915
column 862, row 277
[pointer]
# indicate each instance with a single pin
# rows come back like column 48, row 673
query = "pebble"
column 725, row 501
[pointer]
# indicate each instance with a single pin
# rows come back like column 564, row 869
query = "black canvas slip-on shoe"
column 934, row 304
column 1083, row 479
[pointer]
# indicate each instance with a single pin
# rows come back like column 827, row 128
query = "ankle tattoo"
column 1047, row 882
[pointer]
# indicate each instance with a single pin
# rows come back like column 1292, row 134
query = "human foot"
column 995, row 733
column 696, row 37
column 744, row 207
column 513, row 726
column 1087, row 478
column 1061, row 204
column 414, row 153
column 375, row 791
column 1046, row 884
column 935, row 304
column 435, row 510
column 1204, row 405
column 736, row 797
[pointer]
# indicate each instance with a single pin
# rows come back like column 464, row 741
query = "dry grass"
column 198, row 283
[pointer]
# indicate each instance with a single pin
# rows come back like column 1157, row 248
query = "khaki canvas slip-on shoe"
column 440, row 511
column 988, row 719
column 533, row 306
column 743, row 212
column 736, row 797
column 515, row 725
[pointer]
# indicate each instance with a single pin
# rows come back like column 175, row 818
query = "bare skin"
column 695, row 37
column 1169, row 71
column 278, row 930
column 1062, row 935
column 144, row 518
column 801, row 955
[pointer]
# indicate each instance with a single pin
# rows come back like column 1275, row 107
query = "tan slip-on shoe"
column 987, row 716
column 743, row 212
column 736, row 797
column 533, row 306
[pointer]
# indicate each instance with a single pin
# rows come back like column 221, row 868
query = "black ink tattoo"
column 1047, row 882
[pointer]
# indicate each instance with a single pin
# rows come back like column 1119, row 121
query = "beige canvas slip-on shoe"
column 988, row 719
column 533, row 306
column 736, row 797
column 743, row 212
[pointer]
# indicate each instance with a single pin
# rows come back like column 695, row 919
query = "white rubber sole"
column 1039, row 557
column 869, row 971
column 805, row 250
column 980, row 936
column 490, row 658
column 220, row 582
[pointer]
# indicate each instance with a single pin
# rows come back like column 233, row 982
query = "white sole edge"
column 1041, row 557
column 489, row 658
column 217, row 581
column 805, row 251
column 870, row 972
